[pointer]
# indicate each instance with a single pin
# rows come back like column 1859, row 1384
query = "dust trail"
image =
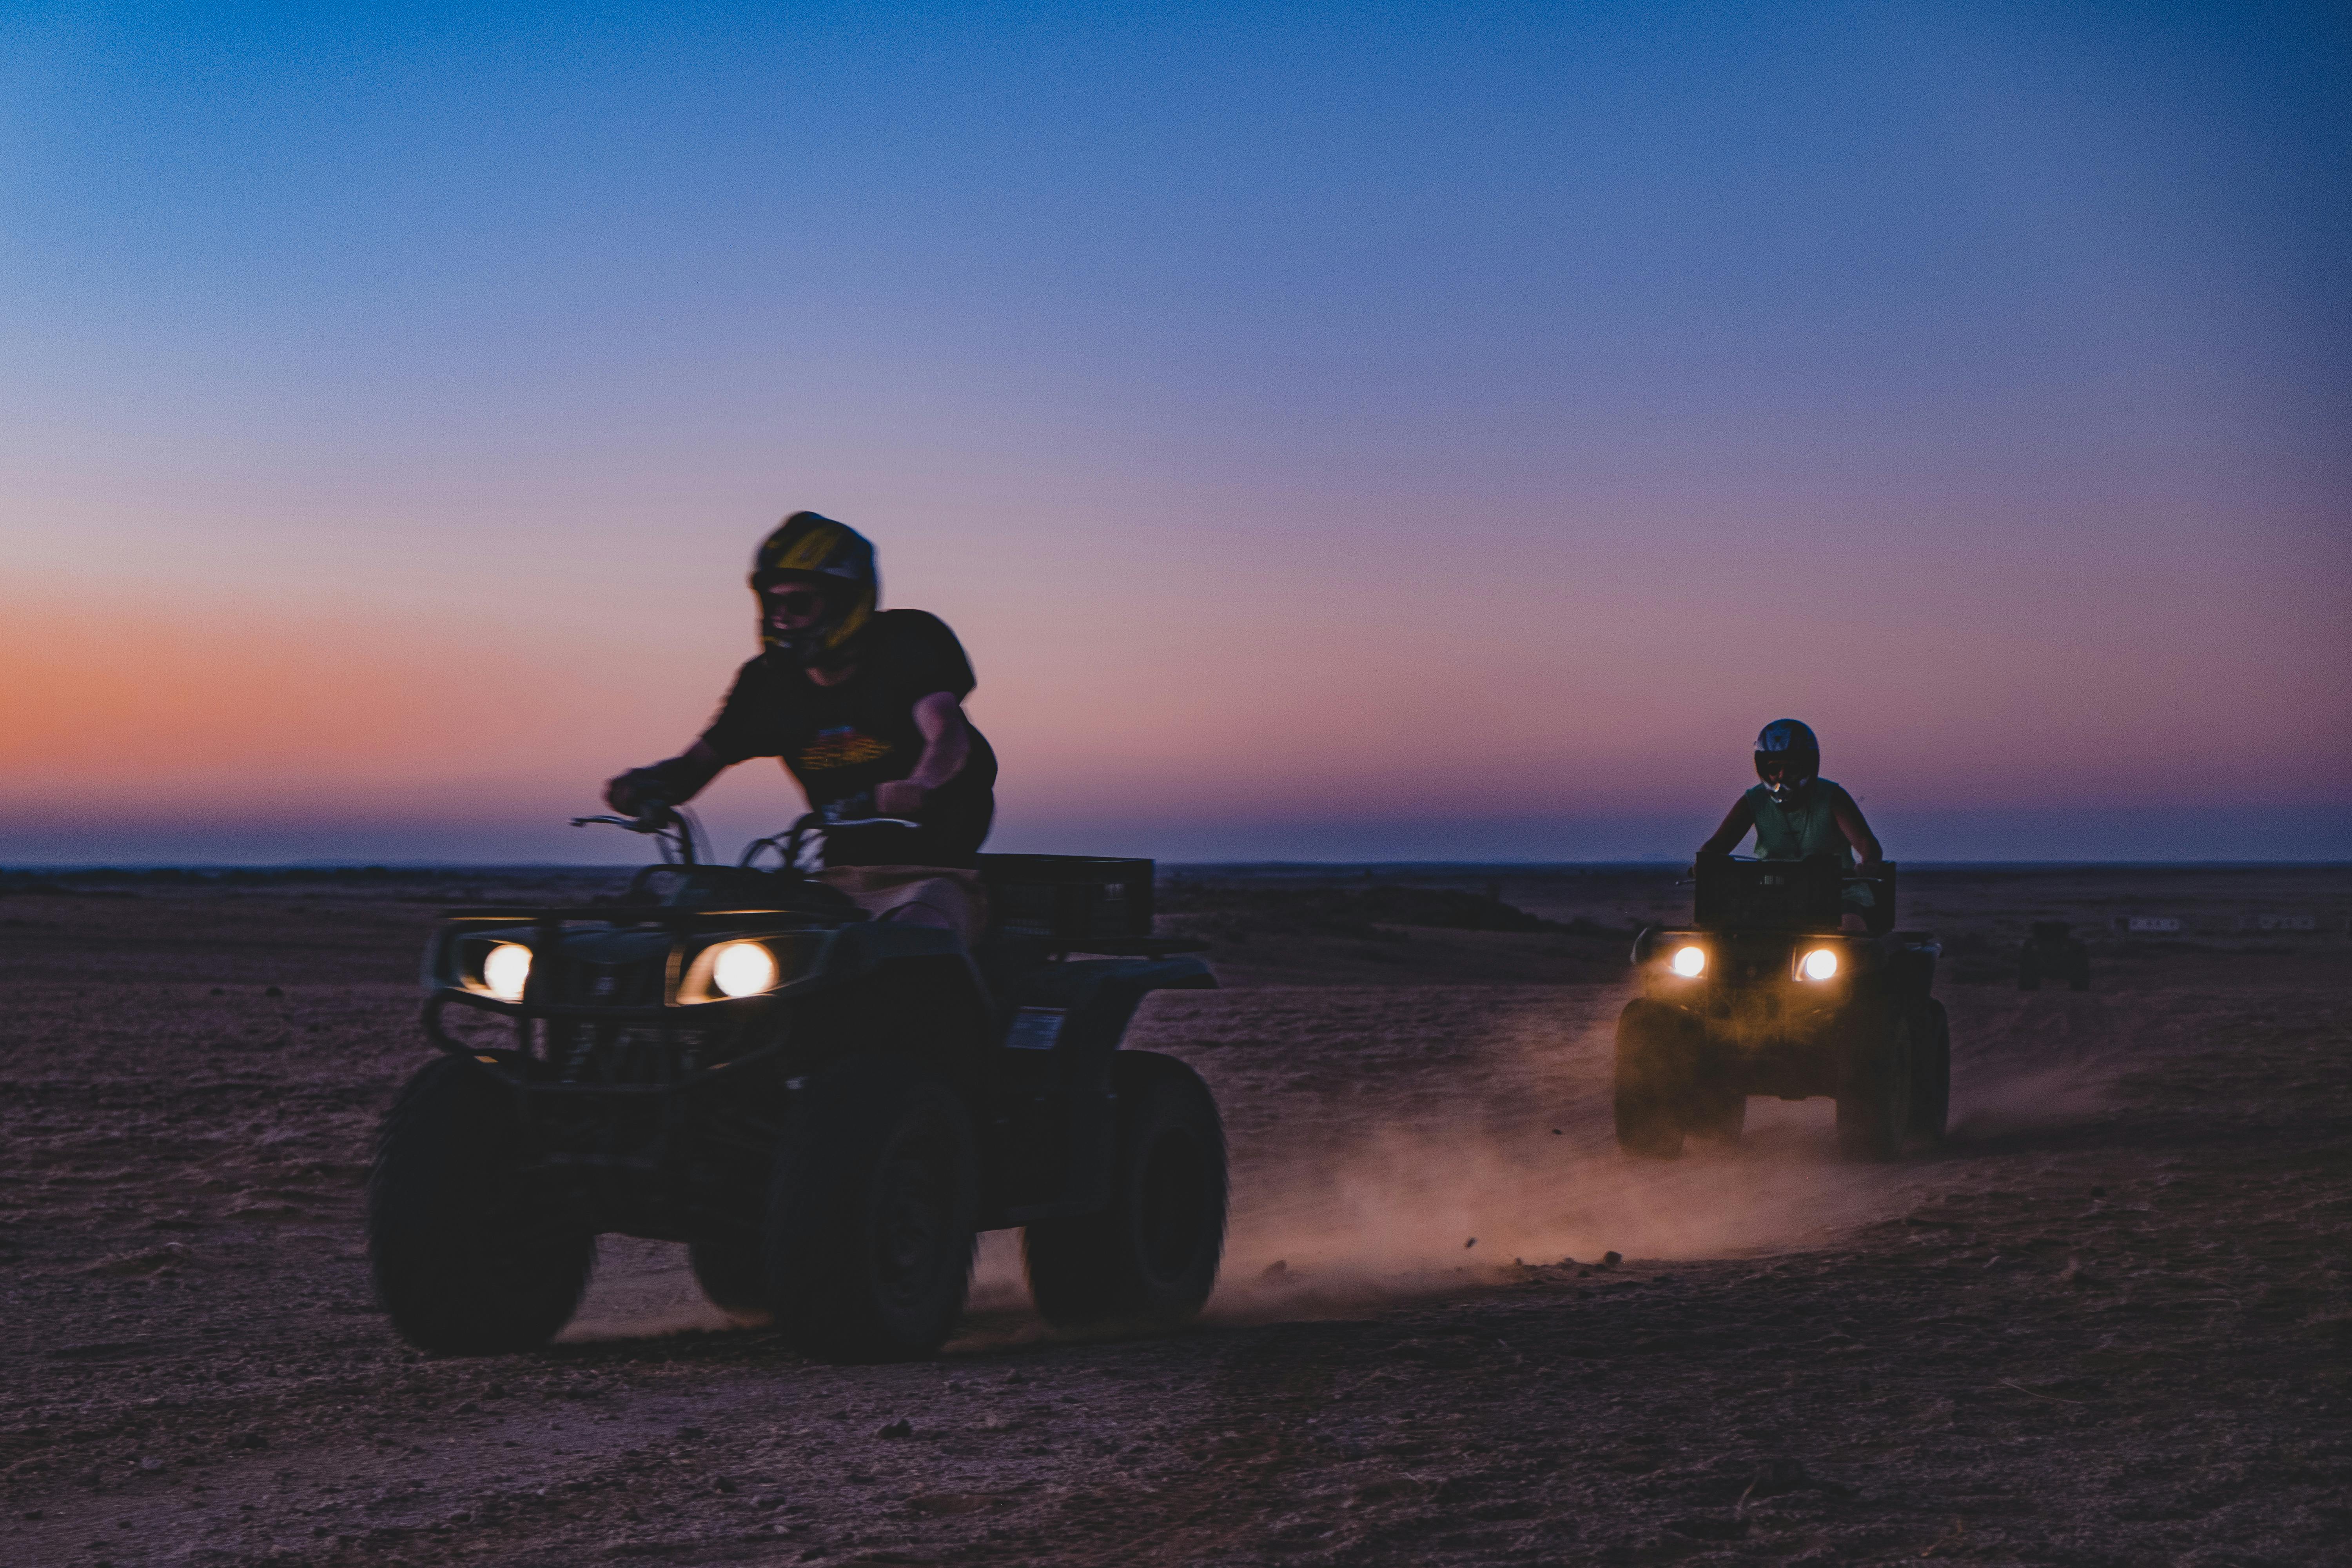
column 1410, row 1153
column 2050, row 1097
column 1520, row 1162
column 1516, row 1161
column 2035, row 1063
column 1403, row 1212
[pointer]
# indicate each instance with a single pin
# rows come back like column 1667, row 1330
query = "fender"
column 1055, row 1115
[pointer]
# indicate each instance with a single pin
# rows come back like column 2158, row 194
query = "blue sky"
column 1376, row 431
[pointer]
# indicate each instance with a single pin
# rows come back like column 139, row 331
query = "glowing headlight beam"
column 507, row 969
column 1689, row 962
column 1820, row 965
column 742, row 969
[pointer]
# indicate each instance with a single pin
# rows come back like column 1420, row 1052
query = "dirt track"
column 2111, row 1323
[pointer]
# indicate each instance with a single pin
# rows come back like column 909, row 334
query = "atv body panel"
column 1780, row 1000
column 650, row 1104
column 1767, row 1028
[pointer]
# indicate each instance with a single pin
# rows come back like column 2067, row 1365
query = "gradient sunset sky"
column 1336, row 431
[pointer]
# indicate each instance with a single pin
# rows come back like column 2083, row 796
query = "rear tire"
column 733, row 1274
column 1875, row 1109
column 1931, row 1080
column 1716, row 1117
column 1152, row 1256
column 1657, row 1056
column 2078, row 973
column 869, row 1240
column 2029, row 974
column 461, row 1270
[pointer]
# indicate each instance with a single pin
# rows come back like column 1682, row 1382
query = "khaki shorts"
column 942, row 896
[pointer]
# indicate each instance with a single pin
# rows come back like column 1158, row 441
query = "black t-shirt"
column 839, row 741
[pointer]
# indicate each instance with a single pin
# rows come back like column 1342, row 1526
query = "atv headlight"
column 733, row 968
column 506, row 970
column 742, row 969
column 1821, row 964
column 1690, row 962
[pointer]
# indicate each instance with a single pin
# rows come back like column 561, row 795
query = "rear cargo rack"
column 1076, row 902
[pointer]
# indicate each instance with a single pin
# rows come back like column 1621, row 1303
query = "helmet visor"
column 1790, row 766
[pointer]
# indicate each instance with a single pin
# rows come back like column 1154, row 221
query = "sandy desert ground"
column 2111, row 1322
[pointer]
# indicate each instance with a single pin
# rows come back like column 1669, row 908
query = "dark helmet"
column 835, row 557
column 1791, row 745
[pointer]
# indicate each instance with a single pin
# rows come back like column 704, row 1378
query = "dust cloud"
column 1474, row 1145
column 2057, row 1061
column 1517, row 1167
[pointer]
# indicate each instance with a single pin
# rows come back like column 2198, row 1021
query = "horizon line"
column 93, row 867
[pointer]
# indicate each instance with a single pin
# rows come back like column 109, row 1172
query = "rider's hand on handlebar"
column 899, row 797
column 634, row 793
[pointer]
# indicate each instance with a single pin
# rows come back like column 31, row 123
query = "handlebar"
column 680, row 834
column 673, row 826
column 1874, row 871
column 792, row 843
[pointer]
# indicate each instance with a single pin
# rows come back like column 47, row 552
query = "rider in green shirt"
column 1797, row 814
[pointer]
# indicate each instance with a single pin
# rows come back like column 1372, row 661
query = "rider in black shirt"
column 864, row 707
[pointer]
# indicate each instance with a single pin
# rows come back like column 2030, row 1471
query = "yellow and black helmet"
column 831, row 555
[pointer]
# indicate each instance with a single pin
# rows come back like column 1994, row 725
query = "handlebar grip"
column 649, row 823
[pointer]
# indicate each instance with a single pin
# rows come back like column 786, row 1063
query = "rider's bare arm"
column 1858, row 834
column 946, row 745
column 1735, row 823
column 677, row 781
column 1866, row 848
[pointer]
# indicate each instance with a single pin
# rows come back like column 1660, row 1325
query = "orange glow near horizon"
column 148, row 707
column 1258, row 702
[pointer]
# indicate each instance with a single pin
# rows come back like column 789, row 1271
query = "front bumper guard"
column 669, row 1021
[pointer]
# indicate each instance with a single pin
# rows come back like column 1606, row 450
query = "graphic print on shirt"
column 845, row 746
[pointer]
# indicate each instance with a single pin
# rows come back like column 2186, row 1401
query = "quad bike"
column 825, row 1108
column 1765, row 993
column 2052, row 952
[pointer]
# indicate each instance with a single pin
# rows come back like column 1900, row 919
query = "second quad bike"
column 1765, row 993
column 2052, row 952
column 825, row 1108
